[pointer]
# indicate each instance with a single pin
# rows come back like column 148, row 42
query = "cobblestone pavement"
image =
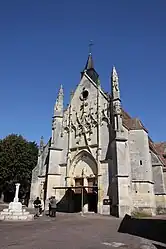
column 68, row 231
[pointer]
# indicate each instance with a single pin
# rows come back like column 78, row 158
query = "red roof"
column 161, row 149
column 132, row 123
column 135, row 124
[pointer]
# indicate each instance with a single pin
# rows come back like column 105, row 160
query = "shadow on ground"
column 152, row 229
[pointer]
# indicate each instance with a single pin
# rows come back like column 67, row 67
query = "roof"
column 135, row 124
column 161, row 150
column 132, row 123
column 89, row 63
column 90, row 70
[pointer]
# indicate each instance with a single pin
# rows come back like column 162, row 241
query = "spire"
column 114, row 72
column 89, row 63
column 58, row 108
column 89, row 67
column 115, row 84
column 41, row 142
column 116, row 102
column 41, row 146
column 61, row 90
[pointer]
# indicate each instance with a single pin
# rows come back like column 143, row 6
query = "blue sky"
column 45, row 43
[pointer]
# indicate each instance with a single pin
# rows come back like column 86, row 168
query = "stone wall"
column 121, row 172
column 105, row 187
column 159, row 186
column 143, row 197
column 141, row 169
column 39, row 174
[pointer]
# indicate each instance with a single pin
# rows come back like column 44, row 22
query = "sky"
column 45, row 43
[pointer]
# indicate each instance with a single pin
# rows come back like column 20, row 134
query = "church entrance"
column 78, row 194
column 83, row 177
column 92, row 195
column 86, row 195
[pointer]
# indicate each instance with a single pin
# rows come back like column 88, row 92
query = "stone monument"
column 15, row 211
column 2, row 198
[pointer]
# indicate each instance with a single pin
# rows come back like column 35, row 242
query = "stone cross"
column 16, row 193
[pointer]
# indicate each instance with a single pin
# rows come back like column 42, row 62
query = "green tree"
column 17, row 159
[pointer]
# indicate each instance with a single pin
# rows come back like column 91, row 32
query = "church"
column 99, row 159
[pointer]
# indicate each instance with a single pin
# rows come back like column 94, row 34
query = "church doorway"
column 86, row 195
column 92, row 195
column 83, row 174
column 78, row 194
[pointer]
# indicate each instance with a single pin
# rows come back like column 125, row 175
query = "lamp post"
column 82, row 194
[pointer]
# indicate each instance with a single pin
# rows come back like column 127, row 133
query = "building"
column 96, row 144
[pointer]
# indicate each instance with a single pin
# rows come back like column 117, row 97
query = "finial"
column 41, row 141
column 90, row 46
column 114, row 72
column 61, row 89
column 41, row 144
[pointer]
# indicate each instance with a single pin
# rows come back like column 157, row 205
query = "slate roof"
column 89, row 63
column 90, row 70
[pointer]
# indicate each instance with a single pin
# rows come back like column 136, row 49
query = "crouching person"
column 53, row 206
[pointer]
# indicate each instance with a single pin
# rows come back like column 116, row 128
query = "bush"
column 160, row 210
column 140, row 213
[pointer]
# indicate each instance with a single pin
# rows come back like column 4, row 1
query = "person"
column 41, row 208
column 37, row 205
column 50, row 205
column 53, row 206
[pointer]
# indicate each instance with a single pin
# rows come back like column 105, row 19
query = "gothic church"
column 99, row 158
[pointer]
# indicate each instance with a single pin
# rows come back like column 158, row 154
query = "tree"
column 17, row 159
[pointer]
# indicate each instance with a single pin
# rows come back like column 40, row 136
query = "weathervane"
column 90, row 46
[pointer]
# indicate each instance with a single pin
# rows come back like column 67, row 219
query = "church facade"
column 99, row 158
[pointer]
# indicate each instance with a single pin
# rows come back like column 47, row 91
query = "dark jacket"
column 37, row 203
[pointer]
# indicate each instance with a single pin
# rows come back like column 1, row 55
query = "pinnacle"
column 61, row 89
column 114, row 72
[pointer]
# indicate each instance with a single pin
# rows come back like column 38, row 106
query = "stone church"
column 99, row 158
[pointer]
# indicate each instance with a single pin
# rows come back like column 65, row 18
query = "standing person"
column 50, row 206
column 42, row 207
column 53, row 206
column 37, row 205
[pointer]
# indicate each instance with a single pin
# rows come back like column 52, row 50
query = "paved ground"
column 68, row 231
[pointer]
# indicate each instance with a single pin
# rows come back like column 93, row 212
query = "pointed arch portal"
column 85, row 162
column 83, row 172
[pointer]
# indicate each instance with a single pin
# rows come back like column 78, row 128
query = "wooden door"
column 91, row 183
column 78, row 182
